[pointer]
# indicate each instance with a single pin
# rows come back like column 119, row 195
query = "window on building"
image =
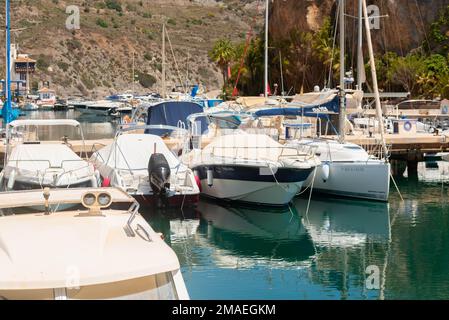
column 23, row 76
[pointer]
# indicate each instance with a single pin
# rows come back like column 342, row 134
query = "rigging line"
column 422, row 24
column 176, row 62
column 331, row 64
column 353, row 41
column 384, row 40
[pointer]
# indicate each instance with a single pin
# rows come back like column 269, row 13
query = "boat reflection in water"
column 247, row 236
column 345, row 223
column 276, row 254
column 351, row 238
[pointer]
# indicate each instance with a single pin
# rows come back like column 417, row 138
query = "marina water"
column 339, row 249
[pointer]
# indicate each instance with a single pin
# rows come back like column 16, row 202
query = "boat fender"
column 198, row 182
column 325, row 171
column 106, row 182
column 1, row 178
column 94, row 182
column 210, row 177
column 12, row 180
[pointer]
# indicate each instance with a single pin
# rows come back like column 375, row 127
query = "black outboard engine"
column 159, row 174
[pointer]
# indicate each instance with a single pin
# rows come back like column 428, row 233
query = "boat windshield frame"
column 41, row 123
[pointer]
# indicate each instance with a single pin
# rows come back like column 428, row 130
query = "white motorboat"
column 101, row 107
column 348, row 170
column 142, row 165
column 99, row 252
column 30, row 106
column 34, row 164
column 251, row 168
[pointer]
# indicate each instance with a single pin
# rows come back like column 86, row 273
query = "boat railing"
column 133, row 211
column 239, row 156
column 376, row 151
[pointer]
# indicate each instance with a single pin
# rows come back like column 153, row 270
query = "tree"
column 223, row 54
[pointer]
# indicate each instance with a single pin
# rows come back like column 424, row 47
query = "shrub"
column 146, row 80
column 114, row 5
column 102, row 23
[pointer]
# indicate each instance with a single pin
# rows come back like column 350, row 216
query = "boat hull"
column 368, row 180
column 174, row 201
column 252, row 185
column 95, row 110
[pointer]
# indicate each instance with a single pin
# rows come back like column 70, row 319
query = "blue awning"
column 171, row 114
column 320, row 110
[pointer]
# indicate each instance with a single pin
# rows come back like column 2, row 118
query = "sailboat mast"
column 342, row 119
column 8, row 58
column 267, row 8
column 134, row 72
column 360, row 64
column 374, row 76
column 164, row 87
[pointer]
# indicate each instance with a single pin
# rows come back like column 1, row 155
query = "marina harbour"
column 231, row 251
column 191, row 150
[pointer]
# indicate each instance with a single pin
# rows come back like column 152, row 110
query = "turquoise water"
column 229, row 252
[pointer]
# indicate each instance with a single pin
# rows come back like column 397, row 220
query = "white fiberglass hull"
column 364, row 180
column 263, row 193
column 251, row 185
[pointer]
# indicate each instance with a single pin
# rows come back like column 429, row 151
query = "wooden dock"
column 409, row 148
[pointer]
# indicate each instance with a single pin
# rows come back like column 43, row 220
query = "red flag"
column 268, row 89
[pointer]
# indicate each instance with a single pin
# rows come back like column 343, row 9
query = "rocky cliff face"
column 403, row 27
column 114, row 35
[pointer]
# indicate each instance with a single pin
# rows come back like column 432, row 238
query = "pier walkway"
column 410, row 148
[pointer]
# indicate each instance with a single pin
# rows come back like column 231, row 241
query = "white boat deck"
column 32, row 198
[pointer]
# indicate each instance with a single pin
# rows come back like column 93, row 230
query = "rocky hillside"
column 98, row 59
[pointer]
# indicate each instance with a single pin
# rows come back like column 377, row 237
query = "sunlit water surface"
column 232, row 252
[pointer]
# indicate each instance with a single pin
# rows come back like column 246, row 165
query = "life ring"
column 407, row 126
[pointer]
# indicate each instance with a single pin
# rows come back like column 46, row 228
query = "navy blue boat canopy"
column 319, row 110
column 170, row 113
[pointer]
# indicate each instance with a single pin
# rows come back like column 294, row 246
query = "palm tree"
column 222, row 54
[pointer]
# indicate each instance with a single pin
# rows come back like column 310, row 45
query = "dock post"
column 412, row 168
column 398, row 167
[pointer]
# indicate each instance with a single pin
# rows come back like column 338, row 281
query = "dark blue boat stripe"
column 226, row 172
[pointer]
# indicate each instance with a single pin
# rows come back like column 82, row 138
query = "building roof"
column 45, row 89
column 24, row 59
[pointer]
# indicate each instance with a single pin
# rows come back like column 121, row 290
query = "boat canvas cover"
column 132, row 152
column 321, row 110
column 37, row 164
column 171, row 114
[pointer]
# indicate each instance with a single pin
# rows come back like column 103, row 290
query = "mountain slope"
column 98, row 59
